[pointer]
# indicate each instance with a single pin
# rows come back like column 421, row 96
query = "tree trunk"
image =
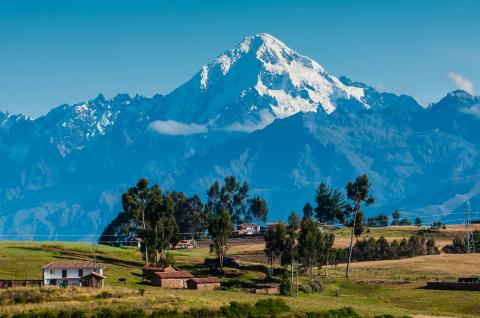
column 271, row 265
column 292, row 269
column 145, row 229
column 347, row 274
column 220, row 260
column 326, row 264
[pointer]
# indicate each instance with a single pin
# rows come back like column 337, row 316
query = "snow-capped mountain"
column 260, row 111
column 259, row 80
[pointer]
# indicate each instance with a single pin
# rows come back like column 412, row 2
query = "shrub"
column 306, row 289
column 271, row 307
column 106, row 295
column 285, row 287
column 317, row 286
column 346, row 312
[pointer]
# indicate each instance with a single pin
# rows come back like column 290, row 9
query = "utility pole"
column 297, row 264
column 469, row 242
column 94, row 254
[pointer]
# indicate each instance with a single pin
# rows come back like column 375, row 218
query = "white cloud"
column 176, row 128
column 462, row 82
column 473, row 110
column 266, row 118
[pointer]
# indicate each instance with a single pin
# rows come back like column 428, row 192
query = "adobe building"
column 207, row 283
column 176, row 279
column 150, row 269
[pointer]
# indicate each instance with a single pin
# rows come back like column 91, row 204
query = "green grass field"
column 385, row 287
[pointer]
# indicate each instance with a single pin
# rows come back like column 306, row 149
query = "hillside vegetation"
column 377, row 288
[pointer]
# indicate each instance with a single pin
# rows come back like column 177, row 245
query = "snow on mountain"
column 259, row 80
column 72, row 127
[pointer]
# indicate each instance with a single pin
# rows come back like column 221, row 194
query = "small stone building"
column 184, row 244
column 269, row 290
column 150, row 269
column 203, row 283
column 93, row 279
column 175, row 279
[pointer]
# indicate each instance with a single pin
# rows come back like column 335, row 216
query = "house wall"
column 168, row 282
column 203, row 286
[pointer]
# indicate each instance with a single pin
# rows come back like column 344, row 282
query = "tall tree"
column 164, row 227
column 418, row 221
column 230, row 200
column 307, row 211
column 189, row 213
column 396, row 218
column 275, row 240
column 308, row 245
column 220, row 227
column 357, row 193
column 329, row 204
column 325, row 243
column 233, row 197
column 136, row 203
column 291, row 251
column 120, row 231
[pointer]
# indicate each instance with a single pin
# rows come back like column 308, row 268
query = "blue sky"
column 55, row 52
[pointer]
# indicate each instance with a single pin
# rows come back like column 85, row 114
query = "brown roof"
column 96, row 275
column 159, row 268
column 205, row 280
column 166, row 275
column 72, row 264
column 248, row 224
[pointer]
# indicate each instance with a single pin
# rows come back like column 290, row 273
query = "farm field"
column 383, row 287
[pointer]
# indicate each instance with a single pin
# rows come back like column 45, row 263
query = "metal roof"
column 72, row 264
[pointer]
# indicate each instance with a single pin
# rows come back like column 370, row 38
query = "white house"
column 74, row 273
column 247, row 229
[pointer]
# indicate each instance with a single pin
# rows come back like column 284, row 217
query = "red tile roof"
column 167, row 275
column 158, row 268
column 72, row 264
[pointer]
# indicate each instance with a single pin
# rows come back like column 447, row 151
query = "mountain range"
column 261, row 112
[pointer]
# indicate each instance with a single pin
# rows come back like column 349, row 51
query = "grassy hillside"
column 384, row 287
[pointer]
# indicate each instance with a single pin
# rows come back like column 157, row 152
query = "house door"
column 53, row 282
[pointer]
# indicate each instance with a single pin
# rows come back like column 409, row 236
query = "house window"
column 64, row 273
column 52, row 271
column 80, row 273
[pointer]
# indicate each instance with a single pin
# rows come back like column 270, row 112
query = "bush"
column 306, row 289
column 107, row 295
column 335, row 313
column 264, row 308
column 271, row 307
column 24, row 296
column 285, row 287
column 317, row 286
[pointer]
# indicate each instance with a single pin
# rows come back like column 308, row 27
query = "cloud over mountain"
column 462, row 82
column 176, row 128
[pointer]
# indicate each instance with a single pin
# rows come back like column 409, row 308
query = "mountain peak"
column 260, row 78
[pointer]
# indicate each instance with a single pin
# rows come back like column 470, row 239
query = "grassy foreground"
column 384, row 287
